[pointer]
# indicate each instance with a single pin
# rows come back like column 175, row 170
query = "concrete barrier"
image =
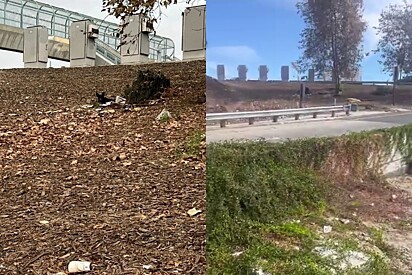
column 396, row 166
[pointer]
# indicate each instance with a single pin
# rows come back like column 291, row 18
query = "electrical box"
column 82, row 43
column 242, row 72
column 311, row 75
column 93, row 31
column 194, row 32
column 146, row 25
column 35, row 47
column 263, row 73
column 284, row 72
column 220, row 72
column 135, row 43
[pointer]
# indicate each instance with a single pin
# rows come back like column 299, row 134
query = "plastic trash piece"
column 79, row 266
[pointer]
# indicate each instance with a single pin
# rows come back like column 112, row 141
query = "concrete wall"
column 396, row 166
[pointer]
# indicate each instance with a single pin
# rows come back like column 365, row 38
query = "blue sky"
column 267, row 32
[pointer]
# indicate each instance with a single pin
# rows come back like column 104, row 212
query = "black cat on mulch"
column 102, row 99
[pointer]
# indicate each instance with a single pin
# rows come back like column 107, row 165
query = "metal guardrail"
column 275, row 114
column 366, row 83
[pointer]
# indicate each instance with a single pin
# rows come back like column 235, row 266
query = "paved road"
column 278, row 132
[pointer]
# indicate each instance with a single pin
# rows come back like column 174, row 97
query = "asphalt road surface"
column 277, row 132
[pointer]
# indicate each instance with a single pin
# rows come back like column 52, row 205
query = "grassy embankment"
column 267, row 203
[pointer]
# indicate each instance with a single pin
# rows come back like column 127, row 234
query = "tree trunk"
column 336, row 68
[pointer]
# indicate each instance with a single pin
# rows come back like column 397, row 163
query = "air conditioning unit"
column 93, row 31
column 147, row 25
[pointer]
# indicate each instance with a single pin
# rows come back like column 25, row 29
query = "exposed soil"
column 374, row 201
column 387, row 207
column 113, row 186
column 255, row 95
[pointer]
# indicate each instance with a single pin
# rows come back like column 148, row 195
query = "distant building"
column 221, row 72
column 242, row 72
column 263, row 73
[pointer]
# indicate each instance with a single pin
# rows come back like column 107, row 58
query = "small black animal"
column 307, row 91
column 102, row 99
column 201, row 99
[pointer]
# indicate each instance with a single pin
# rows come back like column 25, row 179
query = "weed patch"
column 256, row 192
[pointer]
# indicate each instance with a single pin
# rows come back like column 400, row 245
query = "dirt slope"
column 256, row 95
column 112, row 187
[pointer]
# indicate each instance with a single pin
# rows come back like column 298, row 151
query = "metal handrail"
column 108, row 52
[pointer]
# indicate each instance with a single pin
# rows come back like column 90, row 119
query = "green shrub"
column 148, row 85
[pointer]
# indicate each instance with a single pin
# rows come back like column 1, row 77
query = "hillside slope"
column 256, row 95
column 110, row 186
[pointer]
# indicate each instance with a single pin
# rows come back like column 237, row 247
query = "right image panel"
column 309, row 137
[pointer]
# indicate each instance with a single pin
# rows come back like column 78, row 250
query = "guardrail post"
column 223, row 123
column 296, row 117
column 315, row 115
column 275, row 119
column 251, row 120
column 333, row 113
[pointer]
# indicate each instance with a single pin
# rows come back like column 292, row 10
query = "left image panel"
column 102, row 137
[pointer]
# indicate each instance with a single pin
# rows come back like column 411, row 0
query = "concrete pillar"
column 136, row 43
column 83, row 34
column 221, row 72
column 194, row 33
column 35, row 47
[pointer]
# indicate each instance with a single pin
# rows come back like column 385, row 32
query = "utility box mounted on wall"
column 146, row 25
column 194, row 33
column 93, row 31
column 35, row 49
column 83, row 35
column 135, row 46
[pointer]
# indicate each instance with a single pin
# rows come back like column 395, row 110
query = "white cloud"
column 371, row 15
column 231, row 57
column 170, row 25
column 235, row 53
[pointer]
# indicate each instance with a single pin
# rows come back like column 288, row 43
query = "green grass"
column 192, row 146
column 194, row 143
column 254, row 192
